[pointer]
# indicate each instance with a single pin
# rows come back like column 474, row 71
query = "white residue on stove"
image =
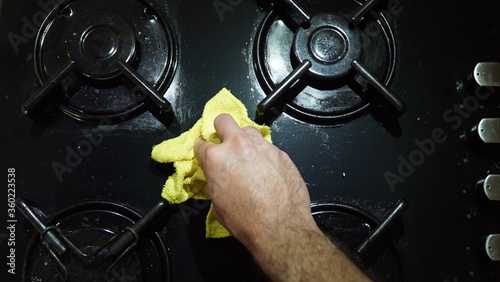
column 6, row 97
column 244, row 53
column 343, row 175
column 325, row 138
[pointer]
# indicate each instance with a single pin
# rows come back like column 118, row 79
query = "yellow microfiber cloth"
column 188, row 181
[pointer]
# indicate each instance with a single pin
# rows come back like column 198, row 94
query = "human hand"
column 255, row 188
column 260, row 197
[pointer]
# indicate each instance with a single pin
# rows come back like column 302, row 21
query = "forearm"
column 299, row 254
column 260, row 197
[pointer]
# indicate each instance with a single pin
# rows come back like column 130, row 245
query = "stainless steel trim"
column 487, row 74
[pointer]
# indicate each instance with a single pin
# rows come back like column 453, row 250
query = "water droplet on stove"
column 150, row 14
column 68, row 12
column 96, row 91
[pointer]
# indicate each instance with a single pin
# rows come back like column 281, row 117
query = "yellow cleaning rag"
column 188, row 181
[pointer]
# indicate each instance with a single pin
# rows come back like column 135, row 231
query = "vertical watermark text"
column 11, row 221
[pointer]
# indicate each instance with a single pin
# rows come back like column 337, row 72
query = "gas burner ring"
column 98, row 41
column 330, row 43
column 349, row 225
column 84, row 230
column 91, row 58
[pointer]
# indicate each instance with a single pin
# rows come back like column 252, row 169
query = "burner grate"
column 319, row 65
column 96, row 241
column 362, row 237
column 102, row 65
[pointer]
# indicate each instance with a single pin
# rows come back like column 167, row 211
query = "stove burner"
column 330, row 44
column 100, row 64
column 81, row 245
column 332, row 69
column 353, row 229
column 98, row 41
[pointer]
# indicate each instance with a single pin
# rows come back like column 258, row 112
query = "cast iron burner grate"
column 362, row 237
column 318, row 62
column 102, row 65
column 95, row 241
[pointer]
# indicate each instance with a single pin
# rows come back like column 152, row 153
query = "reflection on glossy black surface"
column 99, row 38
column 332, row 93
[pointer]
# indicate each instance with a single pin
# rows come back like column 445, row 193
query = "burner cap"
column 98, row 41
column 89, row 227
column 330, row 44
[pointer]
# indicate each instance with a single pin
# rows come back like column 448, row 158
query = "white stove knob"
column 492, row 187
column 487, row 74
column 493, row 247
column 489, row 130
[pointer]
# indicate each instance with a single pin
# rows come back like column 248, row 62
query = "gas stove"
column 389, row 109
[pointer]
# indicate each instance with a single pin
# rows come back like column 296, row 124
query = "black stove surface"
column 429, row 156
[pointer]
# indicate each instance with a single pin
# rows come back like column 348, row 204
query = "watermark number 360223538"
column 11, row 220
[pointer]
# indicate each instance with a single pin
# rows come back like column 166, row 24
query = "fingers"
column 225, row 126
column 200, row 147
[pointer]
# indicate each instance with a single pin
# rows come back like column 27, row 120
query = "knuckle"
column 211, row 155
column 241, row 141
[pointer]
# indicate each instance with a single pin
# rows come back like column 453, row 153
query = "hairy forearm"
column 298, row 254
column 260, row 197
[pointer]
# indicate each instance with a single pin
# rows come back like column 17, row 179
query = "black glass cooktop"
column 375, row 110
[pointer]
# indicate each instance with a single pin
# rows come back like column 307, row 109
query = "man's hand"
column 260, row 197
column 254, row 186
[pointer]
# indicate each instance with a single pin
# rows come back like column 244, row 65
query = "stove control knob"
column 492, row 246
column 489, row 130
column 487, row 74
column 492, row 187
